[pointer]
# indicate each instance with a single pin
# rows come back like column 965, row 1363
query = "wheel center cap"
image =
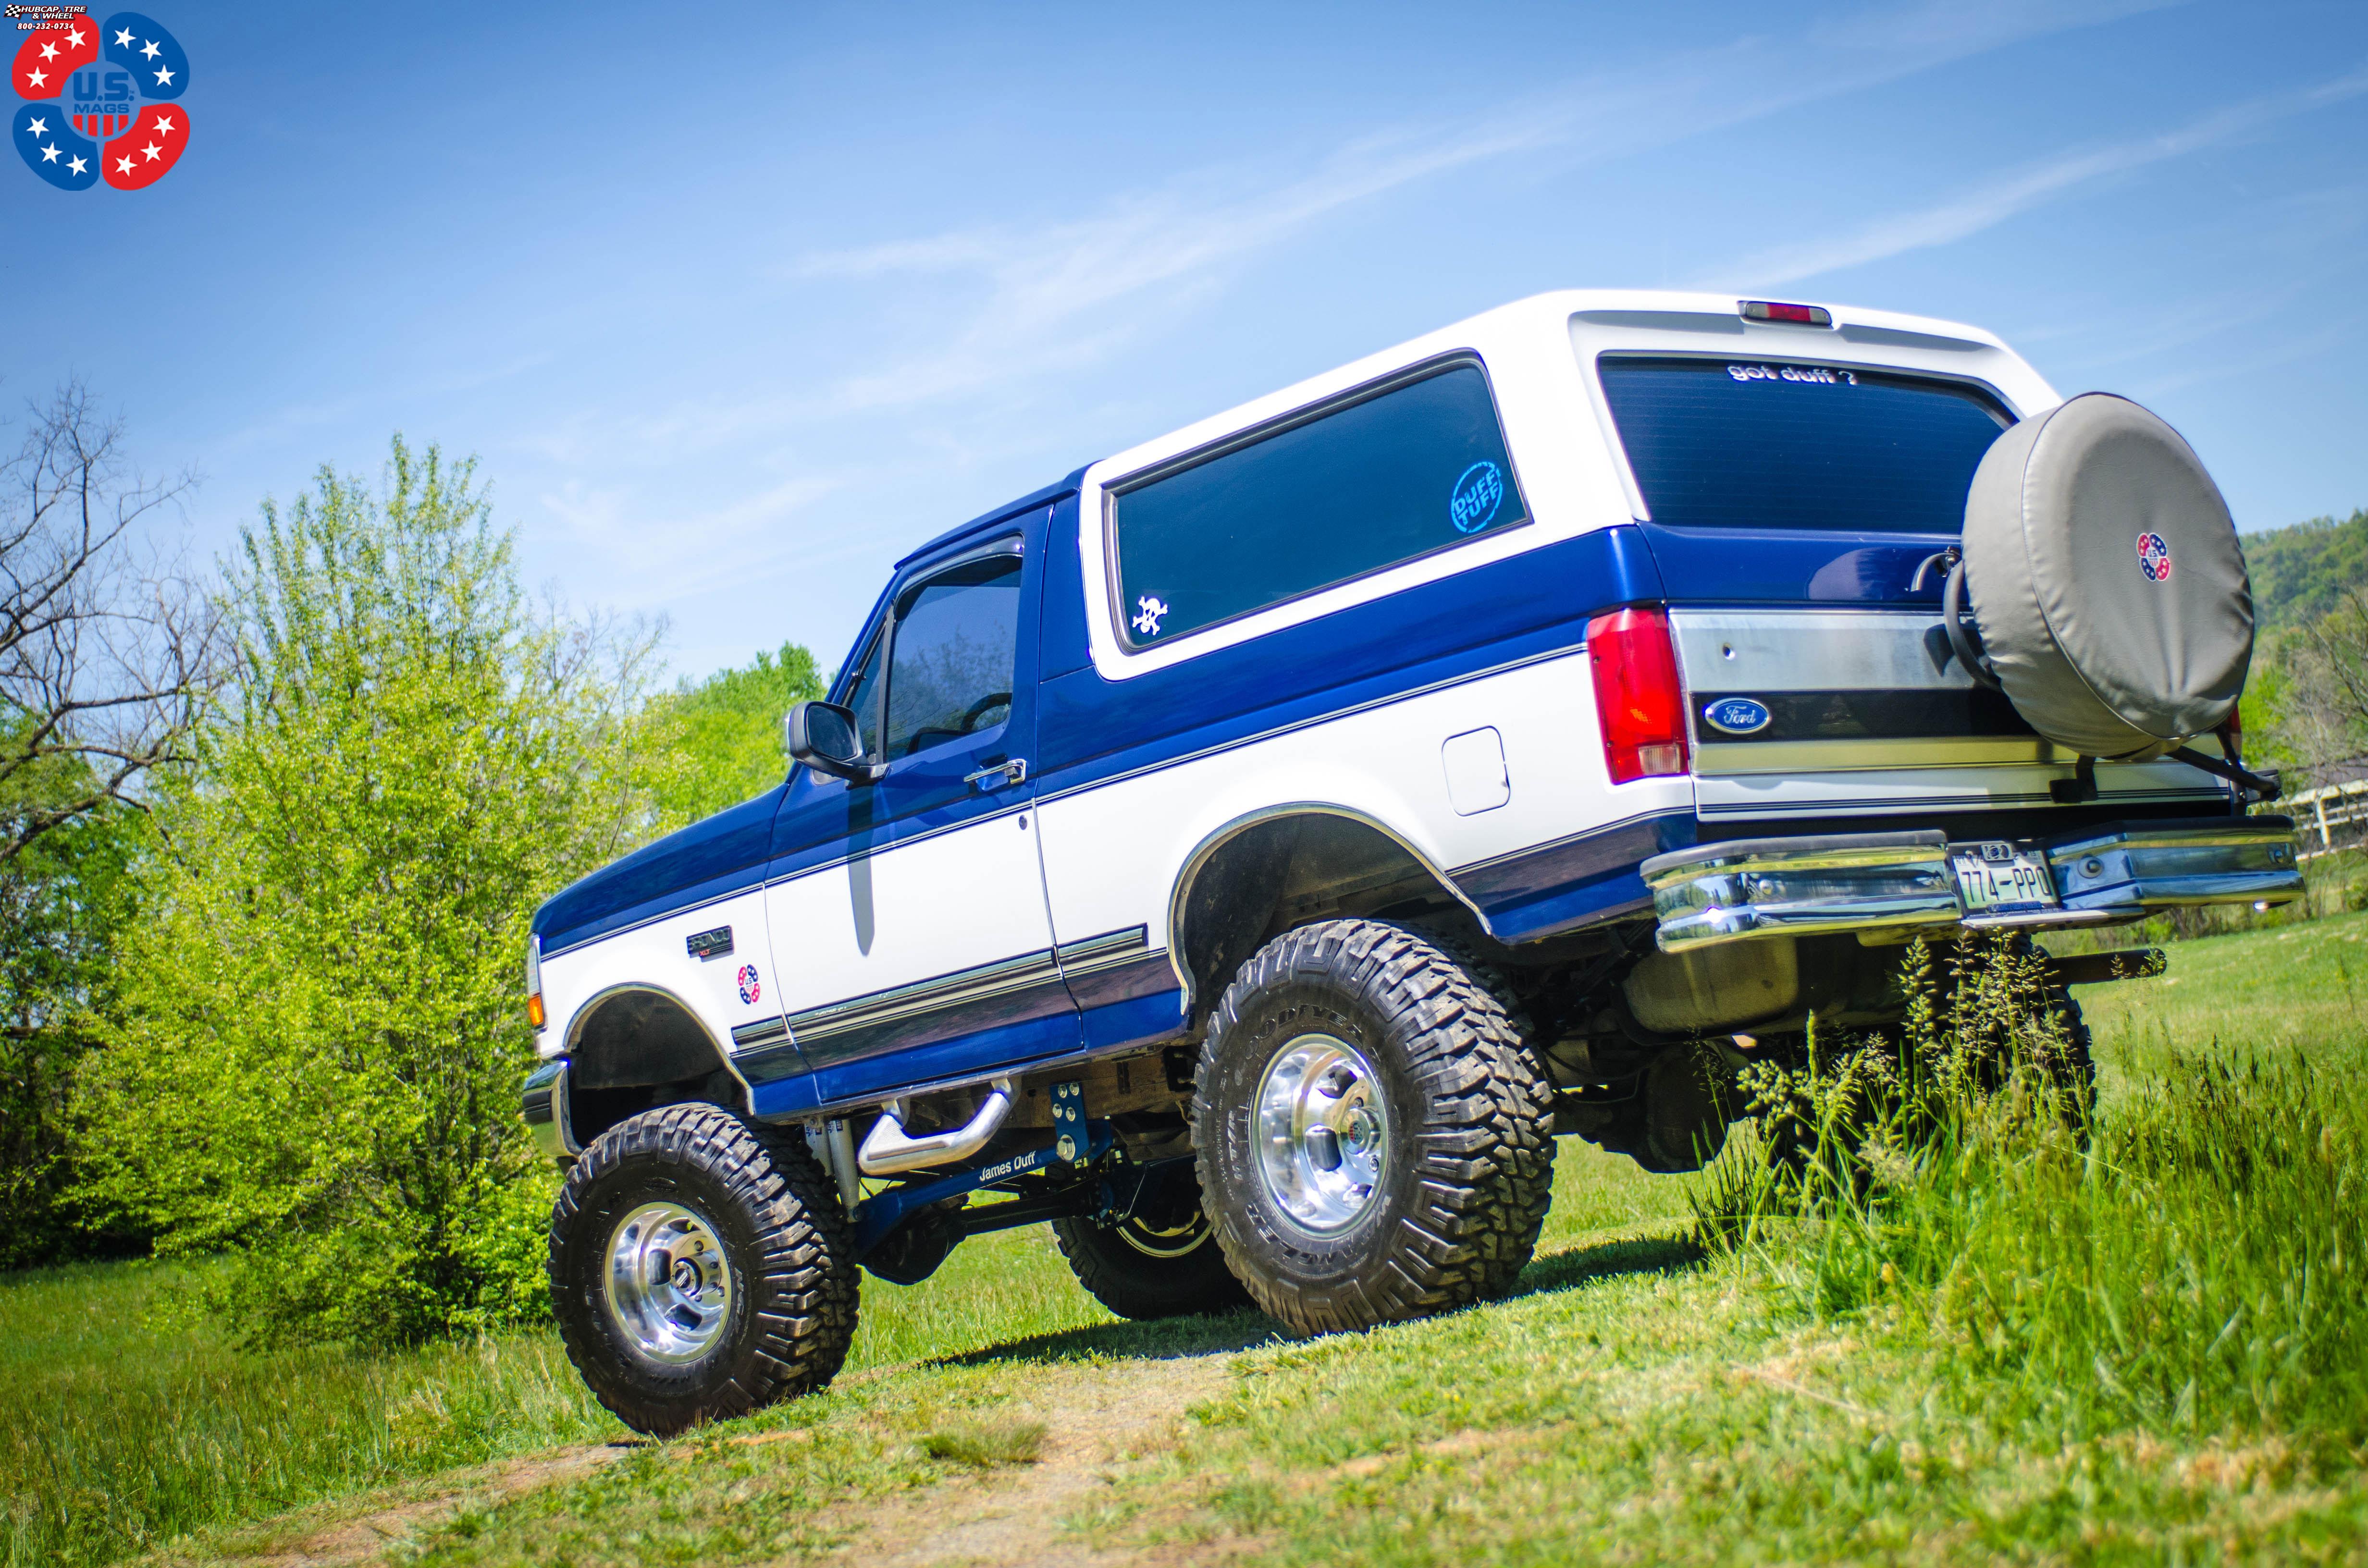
column 686, row 1277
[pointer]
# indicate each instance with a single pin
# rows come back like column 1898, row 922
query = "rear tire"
column 1141, row 1269
column 700, row 1269
column 1374, row 1141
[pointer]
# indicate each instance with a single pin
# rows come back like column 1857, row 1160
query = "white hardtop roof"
column 1540, row 352
column 1638, row 319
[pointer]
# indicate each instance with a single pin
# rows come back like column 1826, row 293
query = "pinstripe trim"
column 924, row 996
column 1529, row 851
column 1091, row 955
column 762, row 1032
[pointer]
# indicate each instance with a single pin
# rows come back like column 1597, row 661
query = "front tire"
column 700, row 1269
column 1374, row 1141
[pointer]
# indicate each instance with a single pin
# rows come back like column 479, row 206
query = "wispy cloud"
column 1995, row 201
column 1073, row 293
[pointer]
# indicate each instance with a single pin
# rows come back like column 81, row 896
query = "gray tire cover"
column 2106, row 580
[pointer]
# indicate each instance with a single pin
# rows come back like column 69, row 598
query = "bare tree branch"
column 107, row 642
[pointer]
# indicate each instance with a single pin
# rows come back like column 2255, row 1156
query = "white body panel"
column 1113, row 852
column 912, row 912
column 654, row 957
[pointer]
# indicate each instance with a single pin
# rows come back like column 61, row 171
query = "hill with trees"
column 2300, row 571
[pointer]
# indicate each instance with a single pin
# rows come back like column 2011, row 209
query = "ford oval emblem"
column 1737, row 715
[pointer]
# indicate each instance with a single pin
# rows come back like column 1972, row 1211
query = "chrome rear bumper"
column 1900, row 884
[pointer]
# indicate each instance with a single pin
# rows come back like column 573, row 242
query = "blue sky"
column 736, row 304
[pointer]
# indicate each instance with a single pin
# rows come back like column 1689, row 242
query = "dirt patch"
column 1094, row 1418
column 353, row 1530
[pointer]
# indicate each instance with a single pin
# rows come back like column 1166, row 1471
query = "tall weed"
column 2187, row 1262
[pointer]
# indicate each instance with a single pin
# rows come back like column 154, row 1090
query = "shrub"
column 315, row 1059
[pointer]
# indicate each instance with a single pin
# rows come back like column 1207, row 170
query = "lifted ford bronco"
column 1250, row 852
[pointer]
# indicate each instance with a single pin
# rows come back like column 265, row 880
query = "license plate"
column 1998, row 878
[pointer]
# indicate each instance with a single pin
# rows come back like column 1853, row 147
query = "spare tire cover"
column 2106, row 580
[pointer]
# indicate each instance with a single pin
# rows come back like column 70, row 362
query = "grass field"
column 2154, row 1352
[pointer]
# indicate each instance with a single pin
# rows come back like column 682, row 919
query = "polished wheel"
column 670, row 1287
column 1322, row 1130
column 1372, row 1134
column 701, row 1267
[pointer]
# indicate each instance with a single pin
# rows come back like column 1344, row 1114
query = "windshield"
column 1764, row 444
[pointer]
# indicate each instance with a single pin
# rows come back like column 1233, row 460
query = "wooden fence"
column 2333, row 816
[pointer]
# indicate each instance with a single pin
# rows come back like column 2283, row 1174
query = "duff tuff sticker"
column 750, row 986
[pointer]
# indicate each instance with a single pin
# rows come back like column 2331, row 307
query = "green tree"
column 315, row 1061
column 63, row 898
column 724, row 733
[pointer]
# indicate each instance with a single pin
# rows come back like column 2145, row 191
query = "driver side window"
column 955, row 657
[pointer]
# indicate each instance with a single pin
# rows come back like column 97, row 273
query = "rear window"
column 1763, row 444
column 1415, row 467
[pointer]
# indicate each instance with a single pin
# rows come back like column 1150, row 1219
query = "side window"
column 1413, row 468
column 956, row 656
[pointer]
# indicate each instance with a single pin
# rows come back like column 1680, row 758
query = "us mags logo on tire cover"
column 2154, row 557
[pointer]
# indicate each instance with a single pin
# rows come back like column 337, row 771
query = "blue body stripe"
column 1751, row 567
column 1575, row 881
column 1090, row 731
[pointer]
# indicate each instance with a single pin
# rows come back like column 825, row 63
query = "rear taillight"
column 1638, row 700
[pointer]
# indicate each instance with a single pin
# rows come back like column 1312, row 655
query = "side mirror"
column 824, row 736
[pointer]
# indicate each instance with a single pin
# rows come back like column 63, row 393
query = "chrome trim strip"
column 922, row 996
column 764, row 1031
column 1091, row 955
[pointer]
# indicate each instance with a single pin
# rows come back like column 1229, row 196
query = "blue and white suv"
column 1250, row 851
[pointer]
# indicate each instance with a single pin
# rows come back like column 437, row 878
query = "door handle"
column 1012, row 772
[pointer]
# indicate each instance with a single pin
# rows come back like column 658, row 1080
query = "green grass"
column 2157, row 1351
column 126, row 1420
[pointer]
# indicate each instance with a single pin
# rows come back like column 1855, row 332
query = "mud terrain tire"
column 1464, row 1130
column 1151, row 1271
column 779, row 1322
